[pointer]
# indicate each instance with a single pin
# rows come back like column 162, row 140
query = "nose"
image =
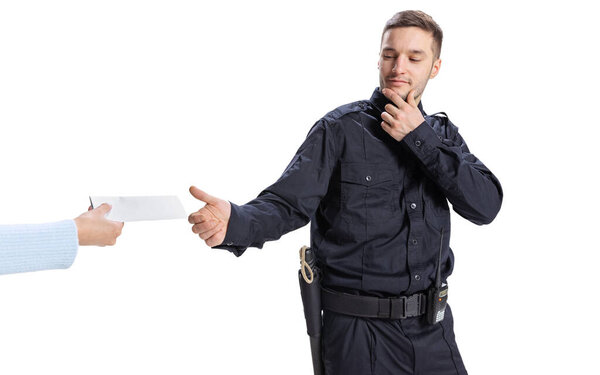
column 399, row 65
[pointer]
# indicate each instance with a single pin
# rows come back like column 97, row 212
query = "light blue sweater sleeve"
column 35, row 247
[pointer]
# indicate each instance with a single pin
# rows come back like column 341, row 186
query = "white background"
column 148, row 97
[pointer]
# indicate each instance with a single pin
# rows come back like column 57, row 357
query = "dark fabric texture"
column 361, row 346
column 379, row 215
column 378, row 208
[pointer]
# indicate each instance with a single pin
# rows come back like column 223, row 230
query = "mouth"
column 397, row 82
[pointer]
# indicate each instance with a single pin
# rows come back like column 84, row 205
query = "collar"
column 379, row 101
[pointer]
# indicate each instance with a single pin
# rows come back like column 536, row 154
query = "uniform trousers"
column 364, row 346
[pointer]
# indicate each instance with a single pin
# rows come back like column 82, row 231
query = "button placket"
column 413, row 201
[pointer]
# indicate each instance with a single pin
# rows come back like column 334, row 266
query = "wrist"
column 79, row 225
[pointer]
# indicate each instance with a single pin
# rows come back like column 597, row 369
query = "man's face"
column 406, row 61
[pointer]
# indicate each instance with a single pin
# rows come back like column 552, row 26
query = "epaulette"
column 346, row 109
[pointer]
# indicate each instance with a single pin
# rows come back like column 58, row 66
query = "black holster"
column 311, row 299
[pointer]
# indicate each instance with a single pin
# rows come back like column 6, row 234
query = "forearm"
column 34, row 247
column 290, row 202
column 474, row 192
column 265, row 218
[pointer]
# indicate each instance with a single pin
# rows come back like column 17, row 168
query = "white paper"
column 141, row 208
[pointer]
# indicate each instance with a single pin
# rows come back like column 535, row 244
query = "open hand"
column 210, row 222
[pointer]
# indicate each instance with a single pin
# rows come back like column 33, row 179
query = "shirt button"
column 229, row 243
column 368, row 178
column 417, row 277
column 415, row 242
column 418, row 143
column 413, row 205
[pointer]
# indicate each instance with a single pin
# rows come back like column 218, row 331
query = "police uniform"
column 379, row 218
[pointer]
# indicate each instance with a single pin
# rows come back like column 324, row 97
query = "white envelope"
column 141, row 208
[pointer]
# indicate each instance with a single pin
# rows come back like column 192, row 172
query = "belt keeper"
column 412, row 305
column 398, row 308
column 385, row 308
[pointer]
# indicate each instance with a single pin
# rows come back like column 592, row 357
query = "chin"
column 401, row 92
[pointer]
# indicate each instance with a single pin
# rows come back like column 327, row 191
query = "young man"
column 374, row 177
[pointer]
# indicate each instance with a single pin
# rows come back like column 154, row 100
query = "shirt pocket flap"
column 365, row 174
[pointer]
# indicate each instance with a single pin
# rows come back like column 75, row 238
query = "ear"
column 435, row 68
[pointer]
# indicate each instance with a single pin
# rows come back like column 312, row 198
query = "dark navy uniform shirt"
column 378, row 207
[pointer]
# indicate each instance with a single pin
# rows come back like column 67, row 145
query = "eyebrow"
column 412, row 51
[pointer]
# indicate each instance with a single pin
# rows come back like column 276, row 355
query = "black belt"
column 374, row 307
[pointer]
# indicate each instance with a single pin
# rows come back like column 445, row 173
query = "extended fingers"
column 202, row 196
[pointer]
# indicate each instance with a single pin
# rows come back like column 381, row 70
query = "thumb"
column 103, row 209
column 411, row 98
column 202, row 196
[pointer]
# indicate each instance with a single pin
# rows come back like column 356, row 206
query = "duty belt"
column 374, row 307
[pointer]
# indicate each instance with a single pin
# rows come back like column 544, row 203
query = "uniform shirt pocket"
column 368, row 192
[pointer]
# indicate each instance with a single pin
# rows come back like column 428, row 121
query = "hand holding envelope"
column 102, row 225
column 211, row 221
column 93, row 228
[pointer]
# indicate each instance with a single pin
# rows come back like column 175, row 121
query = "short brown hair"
column 418, row 19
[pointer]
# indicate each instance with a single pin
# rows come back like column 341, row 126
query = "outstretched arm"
column 284, row 206
column 35, row 247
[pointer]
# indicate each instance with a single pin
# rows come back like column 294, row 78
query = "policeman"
column 374, row 178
